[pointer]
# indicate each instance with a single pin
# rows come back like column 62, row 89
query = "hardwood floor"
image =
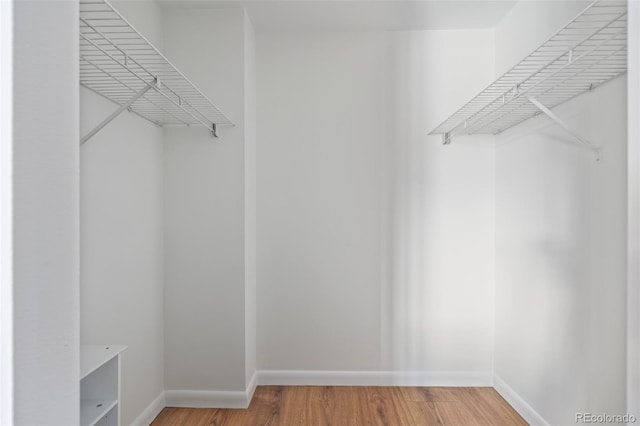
column 355, row 406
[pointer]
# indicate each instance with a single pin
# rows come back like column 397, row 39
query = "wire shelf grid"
column 117, row 62
column 589, row 51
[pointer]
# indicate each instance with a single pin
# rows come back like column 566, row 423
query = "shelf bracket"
column 117, row 112
column 583, row 141
column 446, row 138
column 214, row 130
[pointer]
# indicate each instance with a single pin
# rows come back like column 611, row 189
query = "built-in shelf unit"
column 588, row 51
column 117, row 62
column 100, row 385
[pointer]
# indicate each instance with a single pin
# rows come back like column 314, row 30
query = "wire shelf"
column 118, row 63
column 587, row 52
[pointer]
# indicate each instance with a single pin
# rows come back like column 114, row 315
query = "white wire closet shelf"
column 588, row 51
column 118, row 63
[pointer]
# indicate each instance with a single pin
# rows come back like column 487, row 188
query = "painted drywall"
column 250, row 197
column 341, row 16
column 442, row 221
column 633, row 194
column 529, row 24
column 122, row 249
column 121, row 195
column 45, row 213
column 6, row 212
column 146, row 16
column 207, row 224
column 360, row 214
column 561, row 245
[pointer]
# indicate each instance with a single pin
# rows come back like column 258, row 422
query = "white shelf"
column 118, row 63
column 100, row 385
column 92, row 410
column 587, row 52
column 93, row 357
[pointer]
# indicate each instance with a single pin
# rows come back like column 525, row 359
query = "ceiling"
column 361, row 15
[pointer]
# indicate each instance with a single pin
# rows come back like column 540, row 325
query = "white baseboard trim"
column 251, row 388
column 374, row 378
column 241, row 399
column 212, row 399
column 151, row 412
column 518, row 403
column 206, row 399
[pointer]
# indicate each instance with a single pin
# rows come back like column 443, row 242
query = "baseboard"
column 518, row 403
column 374, row 378
column 206, row 399
column 212, row 399
column 251, row 387
column 241, row 399
column 151, row 412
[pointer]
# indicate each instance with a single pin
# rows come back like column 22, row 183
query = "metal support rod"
column 116, row 113
column 160, row 92
column 477, row 117
column 562, row 124
column 115, row 79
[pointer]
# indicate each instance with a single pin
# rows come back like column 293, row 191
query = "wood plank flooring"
column 355, row 406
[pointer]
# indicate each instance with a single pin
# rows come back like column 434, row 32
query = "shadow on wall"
column 440, row 291
column 561, row 245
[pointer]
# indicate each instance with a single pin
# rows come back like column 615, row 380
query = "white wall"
column 441, row 202
column 250, row 198
column 359, row 211
column 322, row 107
column 146, row 16
column 633, row 307
column 121, row 195
column 45, row 213
column 561, row 245
column 529, row 24
column 6, row 212
column 207, row 217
